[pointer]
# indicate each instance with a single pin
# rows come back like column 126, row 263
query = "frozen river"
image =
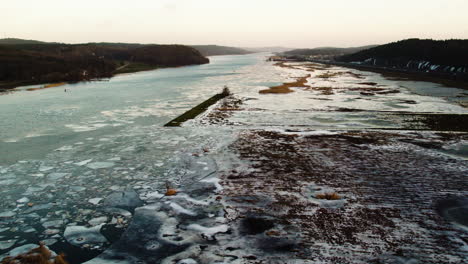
column 62, row 152
column 75, row 165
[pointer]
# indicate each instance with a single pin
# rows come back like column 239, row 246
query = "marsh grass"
column 47, row 86
column 285, row 87
column 328, row 196
column 39, row 255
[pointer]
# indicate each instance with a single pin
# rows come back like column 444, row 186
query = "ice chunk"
column 29, row 230
column 84, row 162
column 187, row 261
column 145, row 229
column 153, row 195
column 209, row 231
column 64, row 148
column 95, row 201
column 180, row 210
column 128, row 199
column 51, row 231
column 77, row 188
column 49, row 242
column 54, row 223
column 118, row 211
column 191, row 200
column 38, row 208
column 7, row 244
column 7, row 214
column 100, row 165
column 33, row 190
column 45, row 168
column 98, row 220
column 21, row 250
column 57, row 175
column 215, row 181
column 80, row 235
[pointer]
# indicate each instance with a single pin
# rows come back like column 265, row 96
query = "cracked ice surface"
column 90, row 158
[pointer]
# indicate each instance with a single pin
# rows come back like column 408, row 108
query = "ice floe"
column 7, row 214
column 180, row 210
column 208, row 231
column 84, row 162
column 100, row 165
column 95, row 201
column 81, row 235
column 127, row 199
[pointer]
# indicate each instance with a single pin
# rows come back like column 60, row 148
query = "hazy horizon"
column 261, row 23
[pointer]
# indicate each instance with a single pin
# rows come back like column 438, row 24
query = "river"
column 66, row 156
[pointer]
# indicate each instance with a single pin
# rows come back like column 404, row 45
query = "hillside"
column 31, row 63
column 213, row 50
column 325, row 52
column 16, row 41
column 268, row 49
column 405, row 53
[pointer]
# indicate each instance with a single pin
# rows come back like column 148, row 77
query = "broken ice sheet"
column 187, row 261
column 45, row 168
column 21, row 250
column 208, row 231
column 81, row 235
column 100, row 165
column 141, row 242
column 23, row 200
column 7, row 214
column 7, row 244
column 49, row 242
column 84, row 162
column 95, row 201
column 53, row 223
column 180, row 210
column 57, row 175
column 127, row 199
column 98, row 220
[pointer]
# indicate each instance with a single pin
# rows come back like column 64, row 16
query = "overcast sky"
column 248, row 23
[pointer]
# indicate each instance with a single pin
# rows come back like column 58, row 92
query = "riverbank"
column 58, row 62
column 388, row 189
column 353, row 169
column 400, row 74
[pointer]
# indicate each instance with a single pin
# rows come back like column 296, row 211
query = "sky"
column 241, row 23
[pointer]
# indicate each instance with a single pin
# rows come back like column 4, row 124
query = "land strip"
column 197, row 110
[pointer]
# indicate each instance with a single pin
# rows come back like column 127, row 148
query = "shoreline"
column 11, row 86
column 401, row 74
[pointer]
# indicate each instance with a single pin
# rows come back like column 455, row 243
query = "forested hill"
column 434, row 54
column 213, row 50
column 33, row 63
